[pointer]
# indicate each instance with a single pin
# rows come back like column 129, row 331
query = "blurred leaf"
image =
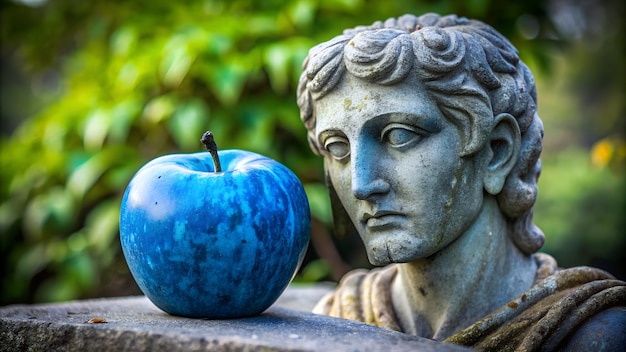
column 102, row 225
column 122, row 117
column 123, row 40
column 159, row 108
column 314, row 272
column 277, row 61
column 227, row 80
column 188, row 123
column 85, row 175
column 176, row 62
column 96, row 129
column 319, row 201
column 302, row 12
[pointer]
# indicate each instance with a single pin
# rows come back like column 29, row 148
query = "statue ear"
column 502, row 151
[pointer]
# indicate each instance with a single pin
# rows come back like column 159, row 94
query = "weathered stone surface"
column 134, row 323
column 303, row 298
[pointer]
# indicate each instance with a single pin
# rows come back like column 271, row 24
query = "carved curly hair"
column 470, row 70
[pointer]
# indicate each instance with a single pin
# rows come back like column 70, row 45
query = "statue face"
column 393, row 159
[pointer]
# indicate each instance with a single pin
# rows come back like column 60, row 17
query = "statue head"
column 470, row 73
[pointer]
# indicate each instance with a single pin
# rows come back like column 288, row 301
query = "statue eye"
column 338, row 147
column 399, row 135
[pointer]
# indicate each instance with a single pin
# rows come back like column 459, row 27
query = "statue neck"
column 477, row 273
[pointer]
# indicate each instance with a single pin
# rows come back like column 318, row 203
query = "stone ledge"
column 135, row 324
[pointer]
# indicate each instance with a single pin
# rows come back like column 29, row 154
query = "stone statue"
column 430, row 136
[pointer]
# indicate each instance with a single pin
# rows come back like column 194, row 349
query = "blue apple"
column 214, row 244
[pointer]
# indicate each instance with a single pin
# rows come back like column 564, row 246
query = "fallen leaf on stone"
column 96, row 320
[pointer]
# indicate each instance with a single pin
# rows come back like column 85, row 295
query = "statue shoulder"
column 605, row 331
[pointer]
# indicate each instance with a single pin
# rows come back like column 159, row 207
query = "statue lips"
column 382, row 219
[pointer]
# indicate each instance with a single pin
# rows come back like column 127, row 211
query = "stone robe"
column 541, row 318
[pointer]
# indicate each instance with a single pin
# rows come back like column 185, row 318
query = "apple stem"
column 209, row 142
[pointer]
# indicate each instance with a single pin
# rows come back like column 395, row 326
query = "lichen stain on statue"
column 430, row 136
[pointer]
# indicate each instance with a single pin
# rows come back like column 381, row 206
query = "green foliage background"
column 92, row 90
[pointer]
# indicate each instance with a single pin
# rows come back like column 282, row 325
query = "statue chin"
column 379, row 257
column 383, row 252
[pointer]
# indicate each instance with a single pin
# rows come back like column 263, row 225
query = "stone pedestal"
column 135, row 324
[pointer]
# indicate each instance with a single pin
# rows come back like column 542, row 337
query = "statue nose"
column 368, row 177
